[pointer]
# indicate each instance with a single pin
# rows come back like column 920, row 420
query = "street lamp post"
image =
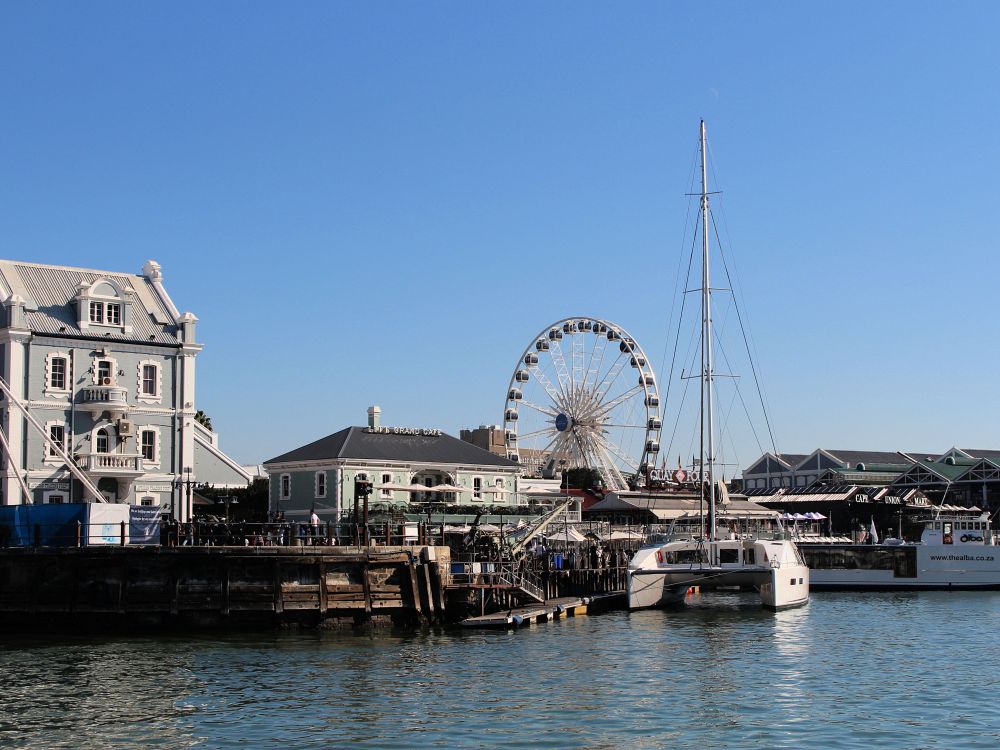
column 190, row 514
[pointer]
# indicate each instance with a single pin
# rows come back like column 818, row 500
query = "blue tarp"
column 56, row 524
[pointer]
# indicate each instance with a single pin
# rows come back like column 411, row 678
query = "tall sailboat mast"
column 706, row 349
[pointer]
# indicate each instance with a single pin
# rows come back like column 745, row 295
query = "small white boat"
column 662, row 571
column 956, row 551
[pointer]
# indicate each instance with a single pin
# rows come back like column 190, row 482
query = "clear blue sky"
column 384, row 202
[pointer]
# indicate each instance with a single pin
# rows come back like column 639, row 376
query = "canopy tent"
column 568, row 534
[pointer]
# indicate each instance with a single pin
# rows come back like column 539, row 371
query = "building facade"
column 105, row 364
column 324, row 474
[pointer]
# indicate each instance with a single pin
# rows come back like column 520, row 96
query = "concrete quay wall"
column 225, row 587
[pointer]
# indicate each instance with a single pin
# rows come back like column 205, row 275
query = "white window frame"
column 284, row 486
column 387, row 494
column 52, row 459
column 117, row 307
column 112, row 436
column 319, row 492
column 151, row 496
column 114, row 369
column 95, row 312
column 477, row 494
column 47, row 495
column 149, row 398
column 155, row 461
column 49, row 390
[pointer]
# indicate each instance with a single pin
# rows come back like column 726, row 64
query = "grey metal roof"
column 982, row 453
column 359, row 444
column 49, row 291
column 793, row 459
column 853, row 458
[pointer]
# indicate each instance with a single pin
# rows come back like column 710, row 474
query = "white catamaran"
column 664, row 569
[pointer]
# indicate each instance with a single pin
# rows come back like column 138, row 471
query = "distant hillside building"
column 324, row 474
column 106, row 363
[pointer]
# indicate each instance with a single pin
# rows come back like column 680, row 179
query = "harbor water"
column 886, row 670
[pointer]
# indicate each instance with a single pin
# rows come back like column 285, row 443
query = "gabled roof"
column 775, row 463
column 793, row 459
column 946, row 472
column 853, row 458
column 49, row 291
column 981, row 453
column 361, row 444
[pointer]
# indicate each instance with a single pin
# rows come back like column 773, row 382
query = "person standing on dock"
column 314, row 523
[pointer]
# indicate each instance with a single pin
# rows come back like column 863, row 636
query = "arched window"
column 103, row 441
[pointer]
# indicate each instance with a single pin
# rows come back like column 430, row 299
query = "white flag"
column 874, row 539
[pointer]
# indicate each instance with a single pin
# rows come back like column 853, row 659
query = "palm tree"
column 204, row 420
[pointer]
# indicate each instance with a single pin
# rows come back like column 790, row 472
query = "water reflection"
column 846, row 671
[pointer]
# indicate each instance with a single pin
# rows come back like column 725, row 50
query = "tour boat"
column 957, row 550
column 663, row 570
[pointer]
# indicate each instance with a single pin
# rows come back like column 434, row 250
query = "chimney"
column 374, row 416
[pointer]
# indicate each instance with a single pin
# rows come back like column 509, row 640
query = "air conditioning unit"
column 105, row 381
column 125, row 427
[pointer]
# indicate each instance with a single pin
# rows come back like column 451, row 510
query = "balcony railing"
column 98, row 398
column 113, row 463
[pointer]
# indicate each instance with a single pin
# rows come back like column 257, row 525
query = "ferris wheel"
column 584, row 395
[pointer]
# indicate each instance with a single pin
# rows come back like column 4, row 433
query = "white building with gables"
column 105, row 363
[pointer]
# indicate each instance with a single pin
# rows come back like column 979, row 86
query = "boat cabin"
column 958, row 530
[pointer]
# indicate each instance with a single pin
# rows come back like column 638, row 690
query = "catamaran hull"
column 780, row 588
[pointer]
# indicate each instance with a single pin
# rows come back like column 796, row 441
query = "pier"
column 116, row 587
column 122, row 587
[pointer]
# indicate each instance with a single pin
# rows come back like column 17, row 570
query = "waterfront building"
column 892, row 488
column 775, row 470
column 105, row 362
column 961, row 476
column 326, row 474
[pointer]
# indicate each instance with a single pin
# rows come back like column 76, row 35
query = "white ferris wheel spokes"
column 584, row 395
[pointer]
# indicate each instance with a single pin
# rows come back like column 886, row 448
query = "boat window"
column 691, row 556
column 749, row 556
column 729, row 555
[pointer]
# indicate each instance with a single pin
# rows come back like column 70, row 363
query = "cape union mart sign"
column 402, row 431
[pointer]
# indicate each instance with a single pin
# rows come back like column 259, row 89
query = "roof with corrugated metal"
column 49, row 292
column 360, row 444
column 864, row 457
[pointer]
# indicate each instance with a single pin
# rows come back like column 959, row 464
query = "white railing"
column 109, row 395
column 115, row 462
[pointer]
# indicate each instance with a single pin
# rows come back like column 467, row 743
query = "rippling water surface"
column 847, row 671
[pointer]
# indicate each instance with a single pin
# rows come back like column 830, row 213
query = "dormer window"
column 103, row 303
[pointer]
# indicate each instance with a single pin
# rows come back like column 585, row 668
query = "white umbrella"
column 399, row 487
column 446, row 488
